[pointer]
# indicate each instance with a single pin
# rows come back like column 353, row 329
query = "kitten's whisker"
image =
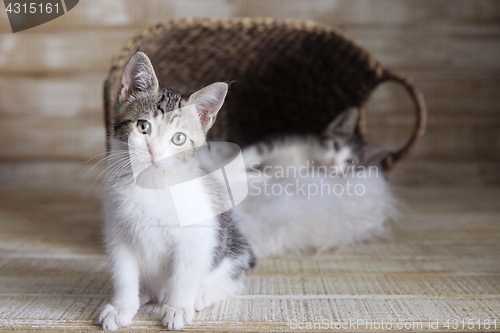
column 120, row 171
column 117, row 171
column 104, row 160
column 112, row 170
column 94, row 157
column 110, row 152
column 110, row 166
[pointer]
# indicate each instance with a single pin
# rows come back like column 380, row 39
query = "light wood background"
column 51, row 77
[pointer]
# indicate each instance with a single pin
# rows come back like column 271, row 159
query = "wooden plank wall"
column 51, row 80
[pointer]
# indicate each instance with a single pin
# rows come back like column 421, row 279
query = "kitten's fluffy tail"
column 314, row 214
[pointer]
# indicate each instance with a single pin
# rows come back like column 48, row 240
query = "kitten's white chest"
column 154, row 219
column 154, row 233
column 154, row 204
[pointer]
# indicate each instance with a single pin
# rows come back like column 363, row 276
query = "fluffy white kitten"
column 314, row 194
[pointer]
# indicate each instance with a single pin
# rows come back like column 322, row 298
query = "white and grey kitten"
column 288, row 212
column 153, row 258
column 339, row 149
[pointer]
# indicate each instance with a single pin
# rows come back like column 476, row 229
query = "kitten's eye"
column 336, row 146
column 350, row 161
column 144, row 126
column 179, row 139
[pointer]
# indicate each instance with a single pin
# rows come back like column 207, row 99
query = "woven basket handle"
column 420, row 121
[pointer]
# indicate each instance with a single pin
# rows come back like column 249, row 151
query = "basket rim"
column 248, row 22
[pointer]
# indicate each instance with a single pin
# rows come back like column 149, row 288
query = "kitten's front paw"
column 206, row 298
column 112, row 319
column 174, row 319
column 203, row 300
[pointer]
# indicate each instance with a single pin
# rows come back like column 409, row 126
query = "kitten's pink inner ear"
column 373, row 155
column 344, row 123
column 138, row 76
column 208, row 102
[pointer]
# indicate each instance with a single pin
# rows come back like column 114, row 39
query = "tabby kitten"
column 157, row 134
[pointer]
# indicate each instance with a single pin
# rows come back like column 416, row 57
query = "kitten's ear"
column 138, row 76
column 344, row 123
column 208, row 102
column 373, row 155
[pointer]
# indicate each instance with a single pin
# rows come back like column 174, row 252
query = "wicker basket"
column 289, row 76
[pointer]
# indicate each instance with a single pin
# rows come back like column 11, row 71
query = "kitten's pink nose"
column 154, row 155
column 333, row 163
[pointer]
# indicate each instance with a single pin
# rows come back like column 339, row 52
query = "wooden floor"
column 442, row 266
